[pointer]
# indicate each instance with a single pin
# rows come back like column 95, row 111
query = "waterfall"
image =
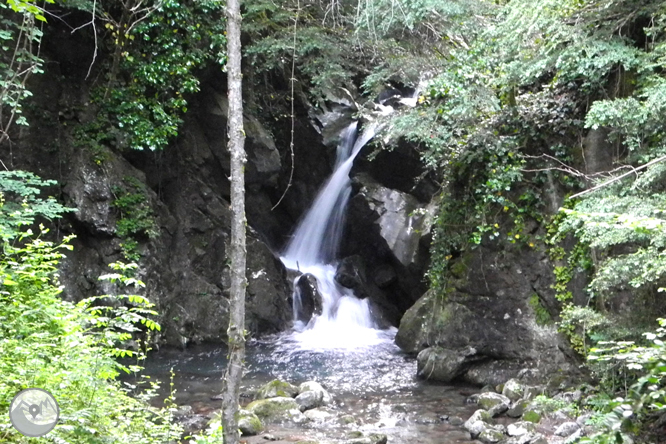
column 345, row 321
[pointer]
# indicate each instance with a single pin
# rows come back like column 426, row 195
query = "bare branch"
column 293, row 80
column 622, row 176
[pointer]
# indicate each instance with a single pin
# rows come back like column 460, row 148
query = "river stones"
column 494, row 403
column 374, row 438
column 309, row 400
column 478, row 422
column 277, row 388
column 491, row 435
column 249, row 423
column 513, row 389
column 274, row 410
column 567, row 429
column 311, row 395
column 520, row 428
column 518, row 408
column 319, row 414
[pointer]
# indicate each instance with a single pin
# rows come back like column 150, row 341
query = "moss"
column 540, row 312
column 532, row 416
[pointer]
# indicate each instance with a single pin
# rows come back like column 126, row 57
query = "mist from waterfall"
column 346, row 321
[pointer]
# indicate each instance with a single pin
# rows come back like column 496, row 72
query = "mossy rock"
column 277, row 388
column 249, row 424
column 491, row 436
column 274, row 409
column 532, row 416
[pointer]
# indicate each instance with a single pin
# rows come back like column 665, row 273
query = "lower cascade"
column 342, row 321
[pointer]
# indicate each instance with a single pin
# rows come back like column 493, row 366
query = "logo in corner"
column 34, row 412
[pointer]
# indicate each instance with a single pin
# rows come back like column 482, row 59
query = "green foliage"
column 152, row 71
column 639, row 372
column 21, row 204
column 20, row 38
column 580, row 324
column 136, row 220
column 212, row 435
column 70, row 349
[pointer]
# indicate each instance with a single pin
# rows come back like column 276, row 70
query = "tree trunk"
column 236, row 330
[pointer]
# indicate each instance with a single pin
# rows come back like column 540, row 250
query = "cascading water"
column 345, row 321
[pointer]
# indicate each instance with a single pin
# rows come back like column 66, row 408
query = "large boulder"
column 489, row 306
column 390, row 230
column 441, row 364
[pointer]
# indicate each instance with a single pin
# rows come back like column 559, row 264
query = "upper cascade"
column 317, row 238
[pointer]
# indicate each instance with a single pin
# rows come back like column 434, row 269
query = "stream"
column 376, row 385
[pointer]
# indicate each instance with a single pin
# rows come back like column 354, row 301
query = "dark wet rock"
column 494, row 403
column 351, row 273
column 402, row 220
column 487, row 307
column 384, row 276
column 263, row 158
column 249, row 423
column 390, row 230
column 440, row 364
column 277, row 388
column 310, row 302
column 456, row 421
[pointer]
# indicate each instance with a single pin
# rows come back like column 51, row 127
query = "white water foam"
column 345, row 322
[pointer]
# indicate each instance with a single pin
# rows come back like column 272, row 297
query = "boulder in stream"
column 441, row 364
column 277, row 388
column 310, row 302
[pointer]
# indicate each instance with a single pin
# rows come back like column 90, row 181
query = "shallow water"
column 375, row 384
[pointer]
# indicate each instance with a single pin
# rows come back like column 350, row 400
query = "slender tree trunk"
column 236, row 330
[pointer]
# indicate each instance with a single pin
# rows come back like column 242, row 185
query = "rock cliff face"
column 485, row 329
column 184, row 194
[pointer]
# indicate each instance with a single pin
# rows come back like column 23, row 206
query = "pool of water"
column 375, row 384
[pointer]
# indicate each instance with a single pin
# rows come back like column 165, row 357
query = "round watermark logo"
column 34, row 412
